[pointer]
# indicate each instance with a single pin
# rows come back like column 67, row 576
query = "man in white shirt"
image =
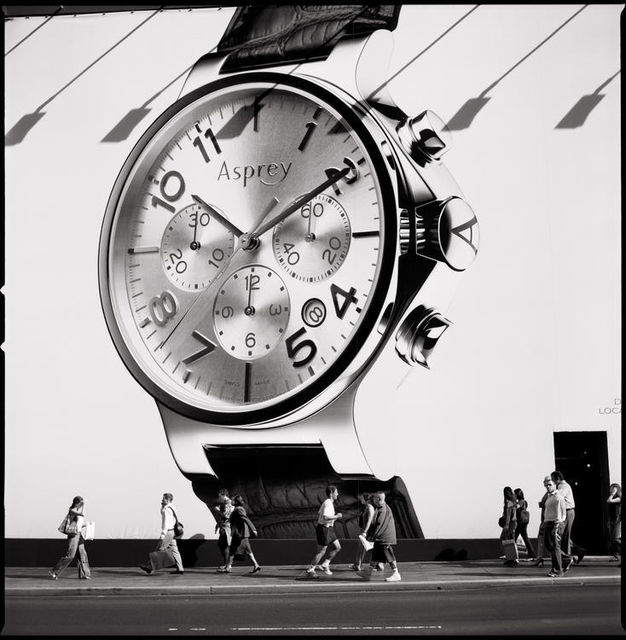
column 570, row 548
column 327, row 542
column 167, row 548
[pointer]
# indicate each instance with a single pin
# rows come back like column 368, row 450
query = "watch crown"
column 405, row 231
column 447, row 231
column 418, row 335
column 425, row 136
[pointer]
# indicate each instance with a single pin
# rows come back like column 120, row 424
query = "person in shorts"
column 382, row 533
column 327, row 542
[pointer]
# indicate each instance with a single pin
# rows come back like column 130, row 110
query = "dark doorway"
column 582, row 457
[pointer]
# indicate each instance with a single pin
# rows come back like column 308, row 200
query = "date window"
column 313, row 312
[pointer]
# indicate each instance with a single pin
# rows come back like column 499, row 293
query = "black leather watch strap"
column 258, row 36
column 283, row 487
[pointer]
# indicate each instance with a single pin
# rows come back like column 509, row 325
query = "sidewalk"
column 33, row 581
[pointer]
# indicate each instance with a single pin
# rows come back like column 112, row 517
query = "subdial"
column 251, row 312
column 194, row 248
column 313, row 242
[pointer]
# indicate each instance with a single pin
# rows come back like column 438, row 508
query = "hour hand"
column 216, row 215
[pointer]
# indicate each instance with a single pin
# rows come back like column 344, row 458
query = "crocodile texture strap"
column 258, row 36
column 284, row 486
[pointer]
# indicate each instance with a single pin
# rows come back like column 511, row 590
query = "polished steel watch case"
column 407, row 280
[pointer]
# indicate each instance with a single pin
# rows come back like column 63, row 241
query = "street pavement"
column 33, row 581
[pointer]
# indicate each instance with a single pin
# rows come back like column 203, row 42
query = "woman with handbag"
column 241, row 528
column 523, row 518
column 508, row 522
column 71, row 527
column 366, row 516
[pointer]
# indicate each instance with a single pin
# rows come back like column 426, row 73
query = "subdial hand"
column 216, row 215
column 195, row 245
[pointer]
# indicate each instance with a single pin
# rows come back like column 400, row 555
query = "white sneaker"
column 365, row 573
column 380, row 566
column 394, row 577
column 325, row 568
column 310, row 571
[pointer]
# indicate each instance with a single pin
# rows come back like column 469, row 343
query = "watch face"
column 247, row 246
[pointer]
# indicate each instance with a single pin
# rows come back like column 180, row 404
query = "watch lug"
column 185, row 438
column 203, row 71
column 372, row 69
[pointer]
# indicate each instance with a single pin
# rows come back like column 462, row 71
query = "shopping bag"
column 365, row 543
column 510, row 549
column 89, row 531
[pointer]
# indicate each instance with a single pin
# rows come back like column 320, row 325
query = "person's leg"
column 84, row 571
column 64, row 562
column 549, row 542
column 391, row 558
column 256, row 567
column 331, row 551
column 529, row 545
column 173, row 548
column 360, row 554
column 321, row 550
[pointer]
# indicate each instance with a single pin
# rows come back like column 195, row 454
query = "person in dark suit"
column 241, row 528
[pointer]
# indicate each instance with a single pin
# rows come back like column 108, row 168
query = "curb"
column 309, row 586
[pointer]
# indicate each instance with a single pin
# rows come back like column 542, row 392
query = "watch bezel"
column 371, row 136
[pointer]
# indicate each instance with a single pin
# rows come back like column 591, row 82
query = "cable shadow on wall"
column 15, row 46
column 464, row 117
column 421, row 53
column 236, row 124
column 24, row 125
column 577, row 115
column 122, row 130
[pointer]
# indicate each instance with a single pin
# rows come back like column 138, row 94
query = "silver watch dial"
column 233, row 280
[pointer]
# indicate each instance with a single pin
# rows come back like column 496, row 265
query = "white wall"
column 536, row 342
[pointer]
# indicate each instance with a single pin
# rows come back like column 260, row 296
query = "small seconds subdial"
column 194, row 248
column 313, row 242
column 251, row 312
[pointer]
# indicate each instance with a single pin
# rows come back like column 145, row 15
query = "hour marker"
column 246, row 384
column 150, row 336
column 144, row 323
column 208, row 348
column 167, row 356
column 361, row 161
column 208, row 389
column 358, row 309
column 311, row 371
column 137, row 250
column 186, row 375
column 365, row 234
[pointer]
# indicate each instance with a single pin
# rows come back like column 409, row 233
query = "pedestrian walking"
column 508, row 522
column 555, row 515
column 541, row 547
column 522, row 516
column 166, row 553
column 382, row 532
column 327, row 542
column 72, row 526
column 222, row 512
column 365, row 520
column 570, row 548
column 241, row 529
column 615, row 522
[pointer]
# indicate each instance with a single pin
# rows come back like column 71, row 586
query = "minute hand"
column 298, row 202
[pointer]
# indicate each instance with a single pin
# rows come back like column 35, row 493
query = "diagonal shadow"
column 15, row 46
column 233, row 127
column 421, row 53
column 23, row 126
column 577, row 115
column 464, row 117
column 122, row 130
